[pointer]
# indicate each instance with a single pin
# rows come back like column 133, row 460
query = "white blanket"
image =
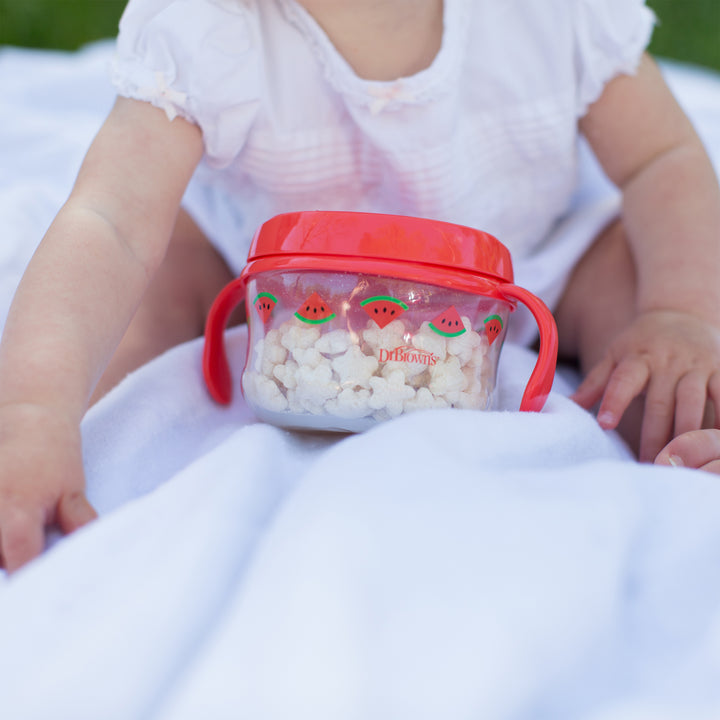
column 448, row 564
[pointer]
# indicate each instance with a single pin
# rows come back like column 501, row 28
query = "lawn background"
column 688, row 30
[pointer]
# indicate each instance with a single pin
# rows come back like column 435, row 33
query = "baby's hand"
column 674, row 358
column 41, row 481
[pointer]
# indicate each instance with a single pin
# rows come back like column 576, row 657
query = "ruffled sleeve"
column 199, row 59
column 611, row 36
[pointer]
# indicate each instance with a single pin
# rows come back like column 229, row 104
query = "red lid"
column 413, row 248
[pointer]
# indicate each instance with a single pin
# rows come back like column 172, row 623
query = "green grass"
column 689, row 29
column 62, row 24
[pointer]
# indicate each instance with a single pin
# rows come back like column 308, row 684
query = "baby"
column 462, row 110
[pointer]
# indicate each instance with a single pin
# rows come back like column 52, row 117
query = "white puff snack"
column 379, row 372
column 447, row 379
column 424, row 400
column 390, row 394
column 295, row 336
column 264, row 392
column 350, row 404
column 315, row 386
column 268, row 353
column 334, row 342
column 286, row 374
column 463, row 345
column 354, row 368
column 386, row 338
column 430, row 342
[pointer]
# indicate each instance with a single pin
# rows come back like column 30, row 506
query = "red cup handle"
column 541, row 379
column 219, row 378
column 216, row 369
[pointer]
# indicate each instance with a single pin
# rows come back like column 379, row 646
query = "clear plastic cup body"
column 344, row 351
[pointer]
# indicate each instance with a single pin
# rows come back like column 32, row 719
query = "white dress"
column 486, row 136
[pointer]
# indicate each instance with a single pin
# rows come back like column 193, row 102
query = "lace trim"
column 157, row 92
column 627, row 62
column 378, row 95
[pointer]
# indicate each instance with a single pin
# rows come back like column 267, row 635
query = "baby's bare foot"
column 697, row 449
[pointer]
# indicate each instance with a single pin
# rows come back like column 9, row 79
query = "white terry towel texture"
column 446, row 564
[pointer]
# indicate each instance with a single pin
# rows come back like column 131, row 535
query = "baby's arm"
column 671, row 212
column 71, row 309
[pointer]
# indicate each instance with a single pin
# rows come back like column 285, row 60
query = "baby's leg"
column 175, row 305
column 598, row 303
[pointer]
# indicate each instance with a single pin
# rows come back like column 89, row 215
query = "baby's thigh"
column 192, row 273
column 599, row 300
column 175, row 304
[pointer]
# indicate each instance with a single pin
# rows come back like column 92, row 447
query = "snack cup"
column 355, row 318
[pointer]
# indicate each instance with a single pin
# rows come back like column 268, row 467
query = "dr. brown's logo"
column 408, row 354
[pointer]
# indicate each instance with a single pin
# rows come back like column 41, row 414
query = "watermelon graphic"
column 448, row 323
column 383, row 309
column 264, row 304
column 314, row 311
column 493, row 327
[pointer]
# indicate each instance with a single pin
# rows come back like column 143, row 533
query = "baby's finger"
column 690, row 398
column 697, row 449
column 592, row 387
column 74, row 511
column 22, row 537
column 714, row 393
column 657, row 424
column 711, row 467
column 627, row 381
